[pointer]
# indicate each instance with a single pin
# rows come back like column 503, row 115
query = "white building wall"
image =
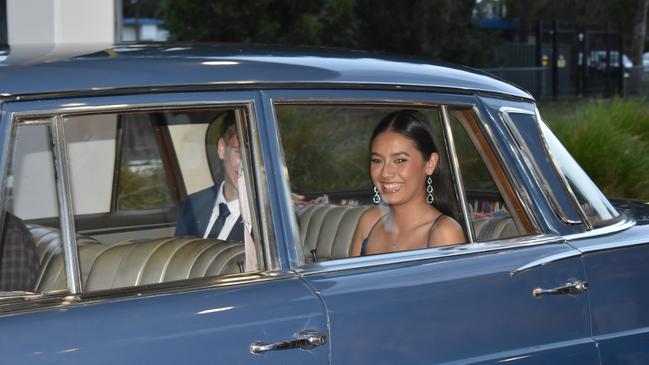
column 57, row 26
column 60, row 21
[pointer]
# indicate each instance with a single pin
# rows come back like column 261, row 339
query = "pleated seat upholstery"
column 163, row 260
column 327, row 231
column 493, row 228
column 51, row 274
column 134, row 262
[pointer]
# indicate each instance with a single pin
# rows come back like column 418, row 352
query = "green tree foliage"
column 440, row 29
column 610, row 140
column 262, row 21
column 143, row 190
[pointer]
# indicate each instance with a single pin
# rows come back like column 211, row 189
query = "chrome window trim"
column 566, row 185
column 353, row 263
column 7, row 155
column 125, row 108
column 456, row 173
column 268, row 240
column 546, row 260
column 520, row 190
column 254, row 85
column 529, row 162
column 557, row 170
column 63, row 299
column 265, row 227
column 575, row 252
column 364, row 101
column 66, row 206
column 293, row 225
column 621, row 225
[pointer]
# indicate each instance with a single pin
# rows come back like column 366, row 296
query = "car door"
column 507, row 296
column 617, row 272
column 615, row 252
column 112, row 286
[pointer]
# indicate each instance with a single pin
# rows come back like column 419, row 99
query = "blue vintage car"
column 100, row 153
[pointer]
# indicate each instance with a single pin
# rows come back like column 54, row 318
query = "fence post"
column 555, row 53
column 539, row 57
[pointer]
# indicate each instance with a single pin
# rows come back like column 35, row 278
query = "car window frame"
column 587, row 221
column 411, row 98
column 553, row 222
column 515, row 195
column 543, row 181
column 49, row 110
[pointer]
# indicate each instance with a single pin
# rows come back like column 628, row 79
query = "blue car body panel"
column 206, row 326
column 616, row 268
column 464, row 309
column 141, row 66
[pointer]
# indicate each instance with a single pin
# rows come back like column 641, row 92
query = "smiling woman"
column 403, row 163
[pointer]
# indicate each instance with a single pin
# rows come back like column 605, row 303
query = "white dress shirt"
column 235, row 212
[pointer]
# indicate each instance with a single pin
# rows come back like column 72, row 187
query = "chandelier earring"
column 429, row 190
column 376, row 199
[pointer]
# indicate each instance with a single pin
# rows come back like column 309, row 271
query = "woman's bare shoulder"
column 369, row 217
column 365, row 223
column 448, row 231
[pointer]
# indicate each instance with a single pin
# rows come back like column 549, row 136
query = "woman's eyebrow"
column 392, row 154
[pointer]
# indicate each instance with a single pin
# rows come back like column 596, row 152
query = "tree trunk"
column 637, row 46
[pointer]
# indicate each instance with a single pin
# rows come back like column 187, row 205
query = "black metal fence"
column 563, row 61
column 4, row 41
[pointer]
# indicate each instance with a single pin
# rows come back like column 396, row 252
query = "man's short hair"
column 228, row 126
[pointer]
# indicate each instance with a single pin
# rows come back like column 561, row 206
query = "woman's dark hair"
column 414, row 126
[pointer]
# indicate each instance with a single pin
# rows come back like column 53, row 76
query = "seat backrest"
column 133, row 262
column 494, row 228
column 329, row 229
column 51, row 273
column 140, row 262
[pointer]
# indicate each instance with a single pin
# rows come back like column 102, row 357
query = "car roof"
column 214, row 65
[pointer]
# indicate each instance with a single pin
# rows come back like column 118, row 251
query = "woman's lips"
column 391, row 187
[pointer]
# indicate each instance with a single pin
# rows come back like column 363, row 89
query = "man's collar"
column 233, row 205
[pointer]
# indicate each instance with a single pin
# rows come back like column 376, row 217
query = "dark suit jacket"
column 195, row 212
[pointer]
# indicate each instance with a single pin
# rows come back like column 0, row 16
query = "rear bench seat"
column 134, row 262
column 162, row 260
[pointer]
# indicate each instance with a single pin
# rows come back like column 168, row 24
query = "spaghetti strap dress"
column 430, row 232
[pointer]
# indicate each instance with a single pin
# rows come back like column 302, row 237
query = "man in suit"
column 214, row 212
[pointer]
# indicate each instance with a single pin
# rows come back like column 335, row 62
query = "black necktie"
column 224, row 212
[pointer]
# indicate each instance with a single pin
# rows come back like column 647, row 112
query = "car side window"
column 594, row 205
column 146, row 206
column 490, row 198
column 327, row 150
column 31, row 244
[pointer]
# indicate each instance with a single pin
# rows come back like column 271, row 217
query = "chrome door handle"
column 572, row 287
column 305, row 340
